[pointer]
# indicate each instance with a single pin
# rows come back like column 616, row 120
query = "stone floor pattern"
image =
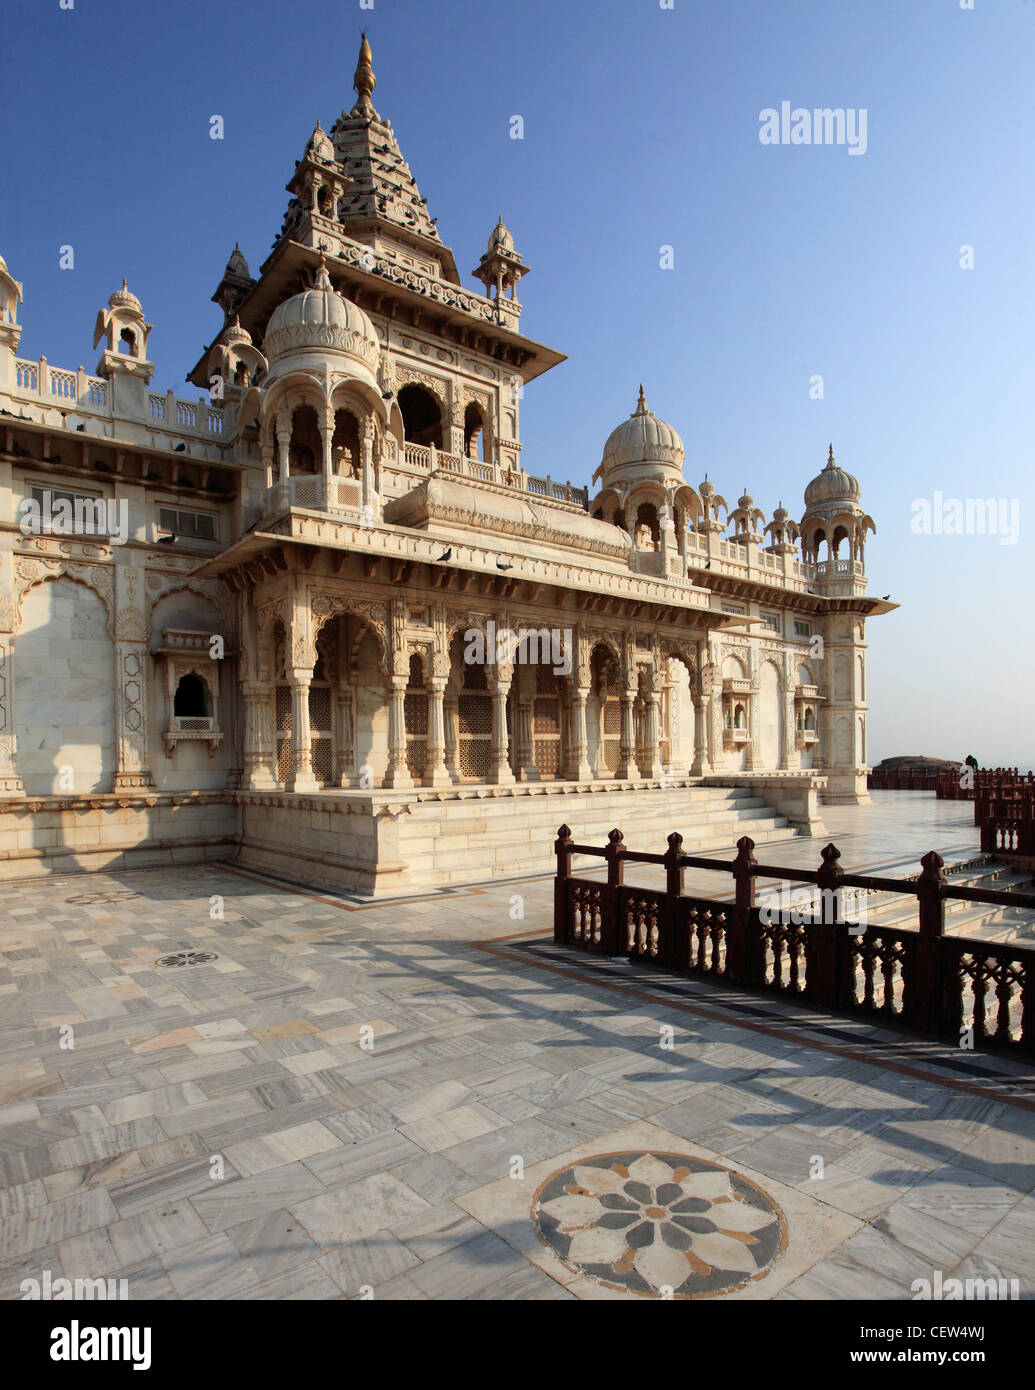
column 304, row 1098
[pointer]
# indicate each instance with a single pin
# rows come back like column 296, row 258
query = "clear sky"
column 641, row 131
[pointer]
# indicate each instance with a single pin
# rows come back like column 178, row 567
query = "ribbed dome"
column 236, row 333
column 321, row 318
column 643, row 438
column 124, row 298
column 832, row 485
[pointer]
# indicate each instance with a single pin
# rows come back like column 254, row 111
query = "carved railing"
column 919, row 978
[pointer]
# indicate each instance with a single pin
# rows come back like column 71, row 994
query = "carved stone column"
column 283, row 498
column 500, row 774
column 651, row 766
column 627, row 748
column 451, row 711
column 259, row 757
column 327, row 437
column 526, row 739
column 302, row 779
column 579, row 769
column 344, row 708
column 436, row 774
column 700, row 767
column 398, row 774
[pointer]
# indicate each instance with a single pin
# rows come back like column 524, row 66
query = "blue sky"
column 641, row 131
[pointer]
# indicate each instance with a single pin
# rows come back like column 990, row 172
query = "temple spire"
column 365, row 82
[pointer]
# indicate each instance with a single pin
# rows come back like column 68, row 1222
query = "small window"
column 771, row 621
column 199, row 526
column 733, row 608
column 88, row 514
column 802, row 629
column 191, row 699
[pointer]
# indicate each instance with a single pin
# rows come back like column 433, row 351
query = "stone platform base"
column 124, row 830
column 386, row 843
column 383, row 843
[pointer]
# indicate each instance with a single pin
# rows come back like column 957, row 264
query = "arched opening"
column 241, row 374
column 422, row 416
column 739, row 719
column 835, row 545
column 648, row 527
column 474, row 432
column 324, row 201
column 191, row 698
column 128, row 342
column 346, row 456
column 306, row 447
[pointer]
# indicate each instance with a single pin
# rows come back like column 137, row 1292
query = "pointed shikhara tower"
column 369, row 366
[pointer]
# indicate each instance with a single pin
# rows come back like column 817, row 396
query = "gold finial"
column 124, row 285
column 830, row 457
column 641, row 404
column 364, row 80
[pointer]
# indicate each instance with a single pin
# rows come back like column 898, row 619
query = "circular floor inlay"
column 103, row 897
column 660, row 1224
column 187, row 958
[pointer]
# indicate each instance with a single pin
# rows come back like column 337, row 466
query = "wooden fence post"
column 562, row 849
column 741, row 955
column 615, row 856
column 671, row 953
column 823, row 940
column 924, row 1006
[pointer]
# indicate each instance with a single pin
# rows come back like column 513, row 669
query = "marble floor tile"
column 210, row 1268
column 233, row 1203
column 357, row 1209
column 273, row 1244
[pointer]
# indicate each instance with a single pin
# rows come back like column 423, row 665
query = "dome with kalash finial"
column 643, row 446
column 321, row 319
column 832, row 485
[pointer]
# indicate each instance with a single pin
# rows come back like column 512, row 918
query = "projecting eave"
column 292, row 266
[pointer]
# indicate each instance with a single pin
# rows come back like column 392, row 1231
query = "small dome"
column 643, row 438
column 781, row 513
column 832, row 485
column 235, row 333
column 321, row 318
column 746, row 502
column 501, row 239
column 124, row 299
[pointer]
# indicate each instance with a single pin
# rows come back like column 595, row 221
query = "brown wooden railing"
column 881, row 779
column 920, row 978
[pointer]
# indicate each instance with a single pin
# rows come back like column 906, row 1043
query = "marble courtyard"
column 427, row 1100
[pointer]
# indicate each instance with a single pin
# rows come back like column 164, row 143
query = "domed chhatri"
column 642, row 445
column 832, row 485
column 124, row 298
column 321, row 319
